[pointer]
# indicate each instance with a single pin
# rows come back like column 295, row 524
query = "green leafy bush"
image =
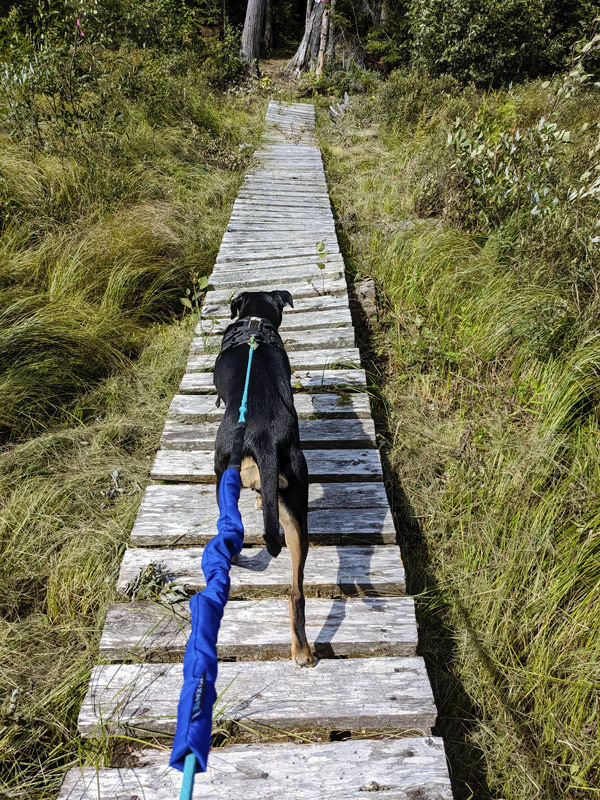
column 490, row 42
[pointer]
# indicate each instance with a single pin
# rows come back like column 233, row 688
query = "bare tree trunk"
column 322, row 43
column 330, row 43
column 308, row 50
column 383, row 14
column 309, row 7
column 268, row 33
column 253, row 27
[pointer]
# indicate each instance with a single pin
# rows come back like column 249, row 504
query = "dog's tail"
column 268, row 468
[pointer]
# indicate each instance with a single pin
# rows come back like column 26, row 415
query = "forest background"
column 464, row 168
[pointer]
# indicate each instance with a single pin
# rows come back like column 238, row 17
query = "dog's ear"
column 236, row 304
column 283, row 299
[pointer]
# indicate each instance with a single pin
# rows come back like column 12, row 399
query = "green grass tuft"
column 484, row 362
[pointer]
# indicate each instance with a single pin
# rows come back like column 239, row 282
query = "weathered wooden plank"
column 258, row 248
column 376, row 694
column 282, row 207
column 330, row 571
column 298, row 166
column 255, row 195
column 316, row 305
column 321, row 206
column 311, row 360
column 303, row 270
column 405, row 769
column 257, row 630
column 335, row 285
column 278, row 192
column 299, row 129
column 315, row 434
column 293, row 340
column 261, row 246
column 295, row 238
column 181, row 515
column 270, row 182
column 319, row 281
column 258, row 256
column 316, row 229
column 296, row 111
column 307, row 158
column 312, row 177
column 255, row 253
column 200, row 499
column 200, row 408
column 307, row 320
column 270, row 216
column 298, row 162
column 310, row 180
column 308, row 263
column 302, row 381
column 303, row 289
column 197, row 466
column 300, row 151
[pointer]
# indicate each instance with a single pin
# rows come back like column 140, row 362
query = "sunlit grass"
column 485, row 369
column 99, row 238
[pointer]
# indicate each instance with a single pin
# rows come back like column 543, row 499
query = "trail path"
column 368, row 682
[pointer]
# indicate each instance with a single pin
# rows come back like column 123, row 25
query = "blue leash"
column 187, row 782
column 244, row 406
column 189, row 766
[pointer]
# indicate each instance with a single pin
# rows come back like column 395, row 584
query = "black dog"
column 272, row 459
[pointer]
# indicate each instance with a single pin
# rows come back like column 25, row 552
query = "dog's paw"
column 258, row 503
column 304, row 658
column 273, row 545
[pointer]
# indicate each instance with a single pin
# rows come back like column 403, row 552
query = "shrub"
column 490, row 42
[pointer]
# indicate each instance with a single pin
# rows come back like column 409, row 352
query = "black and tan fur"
column 272, row 460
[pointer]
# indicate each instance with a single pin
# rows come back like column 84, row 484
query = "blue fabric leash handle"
column 191, row 744
column 198, row 694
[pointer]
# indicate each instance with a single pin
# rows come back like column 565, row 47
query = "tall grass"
column 102, row 230
column 69, row 498
column 489, row 385
column 103, row 225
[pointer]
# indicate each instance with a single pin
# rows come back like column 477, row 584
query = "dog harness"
column 252, row 331
column 239, row 332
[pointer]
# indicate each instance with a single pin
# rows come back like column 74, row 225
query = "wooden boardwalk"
column 368, row 702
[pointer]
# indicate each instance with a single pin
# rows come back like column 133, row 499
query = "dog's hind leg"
column 293, row 514
column 296, row 539
column 263, row 474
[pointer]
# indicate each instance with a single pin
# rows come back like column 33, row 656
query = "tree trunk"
column 253, row 27
column 383, row 14
column 268, row 33
column 322, row 43
column 309, row 7
column 308, row 50
column 330, row 43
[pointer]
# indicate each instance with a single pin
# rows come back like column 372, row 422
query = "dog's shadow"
column 255, row 559
column 350, row 584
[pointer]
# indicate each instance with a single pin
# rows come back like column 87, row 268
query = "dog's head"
column 268, row 305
